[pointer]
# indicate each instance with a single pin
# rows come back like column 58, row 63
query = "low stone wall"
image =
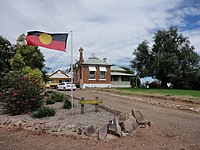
column 124, row 123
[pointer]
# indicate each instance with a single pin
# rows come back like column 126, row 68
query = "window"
column 125, row 78
column 115, row 78
column 91, row 74
column 102, row 75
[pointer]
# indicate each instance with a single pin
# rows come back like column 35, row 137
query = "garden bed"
column 65, row 121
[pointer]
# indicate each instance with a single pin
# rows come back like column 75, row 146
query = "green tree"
column 23, row 83
column 171, row 59
column 6, row 53
column 17, row 62
column 34, row 74
column 129, row 70
column 31, row 55
column 141, row 62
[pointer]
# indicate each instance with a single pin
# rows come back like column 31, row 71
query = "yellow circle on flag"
column 45, row 38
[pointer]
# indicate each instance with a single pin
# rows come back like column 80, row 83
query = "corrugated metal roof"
column 121, row 74
column 116, row 68
column 95, row 61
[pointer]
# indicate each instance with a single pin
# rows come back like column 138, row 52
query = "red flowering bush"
column 21, row 93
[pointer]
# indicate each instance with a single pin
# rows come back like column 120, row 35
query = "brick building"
column 97, row 73
column 92, row 73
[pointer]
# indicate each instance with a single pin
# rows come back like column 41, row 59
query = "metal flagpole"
column 72, row 75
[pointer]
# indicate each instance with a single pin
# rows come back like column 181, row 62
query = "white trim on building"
column 96, row 86
column 102, row 69
column 91, row 68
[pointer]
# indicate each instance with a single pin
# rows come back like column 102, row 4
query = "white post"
column 72, row 75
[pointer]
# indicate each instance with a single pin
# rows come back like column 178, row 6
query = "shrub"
column 48, row 93
column 22, row 93
column 78, row 85
column 58, row 97
column 50, row 101
column 155, row 84
column 67, row 104
column 44, row 112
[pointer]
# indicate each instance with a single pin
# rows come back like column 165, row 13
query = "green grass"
column 169, row 92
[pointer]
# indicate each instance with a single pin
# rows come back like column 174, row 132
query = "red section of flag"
column 58, row 40
column 34, row 40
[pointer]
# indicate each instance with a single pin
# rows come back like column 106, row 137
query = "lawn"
column 169, row 92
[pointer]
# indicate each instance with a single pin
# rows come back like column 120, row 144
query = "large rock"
column 133, row 122
column 114, row 127
column 123, row 116
column 110, row 137
column 129, row 125
column 139, row 117
column 79, row 130
column 90, row 131
column 103, row 132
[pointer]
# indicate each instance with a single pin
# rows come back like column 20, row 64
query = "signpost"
column 95, row 102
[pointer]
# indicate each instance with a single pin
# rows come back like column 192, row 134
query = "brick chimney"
column 104, row 59
column 81, row 55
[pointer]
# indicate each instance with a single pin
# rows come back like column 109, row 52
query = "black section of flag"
column 56, row 36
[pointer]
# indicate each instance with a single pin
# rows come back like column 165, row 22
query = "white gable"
column 58, row 74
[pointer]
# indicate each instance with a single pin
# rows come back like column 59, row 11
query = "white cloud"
column 105, row 27
column 194, row 38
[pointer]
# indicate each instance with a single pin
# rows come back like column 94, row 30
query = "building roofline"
column 57, row 71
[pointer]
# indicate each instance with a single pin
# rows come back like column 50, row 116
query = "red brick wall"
column 85, row 76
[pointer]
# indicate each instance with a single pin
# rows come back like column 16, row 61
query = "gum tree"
column 171, row 59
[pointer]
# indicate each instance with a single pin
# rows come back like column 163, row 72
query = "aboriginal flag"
column 55, row 41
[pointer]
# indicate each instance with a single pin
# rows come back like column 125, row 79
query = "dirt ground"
column 172, row 129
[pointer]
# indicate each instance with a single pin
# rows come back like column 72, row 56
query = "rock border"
column 124, row 123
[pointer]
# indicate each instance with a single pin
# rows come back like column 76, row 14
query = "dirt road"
column 172, row 129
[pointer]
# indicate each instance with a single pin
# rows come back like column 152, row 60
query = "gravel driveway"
column 172, row 129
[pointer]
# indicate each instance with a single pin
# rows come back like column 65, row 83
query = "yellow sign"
column 90, row 101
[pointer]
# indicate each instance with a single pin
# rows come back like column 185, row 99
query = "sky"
column 109, row 29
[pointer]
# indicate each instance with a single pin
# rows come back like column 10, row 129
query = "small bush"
column 50, row 101
column 58, row 97
column 155, row 84
column 41, row 103
column 67, row 104
column 48, row 93
column 78, row 85
column 44, row 112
